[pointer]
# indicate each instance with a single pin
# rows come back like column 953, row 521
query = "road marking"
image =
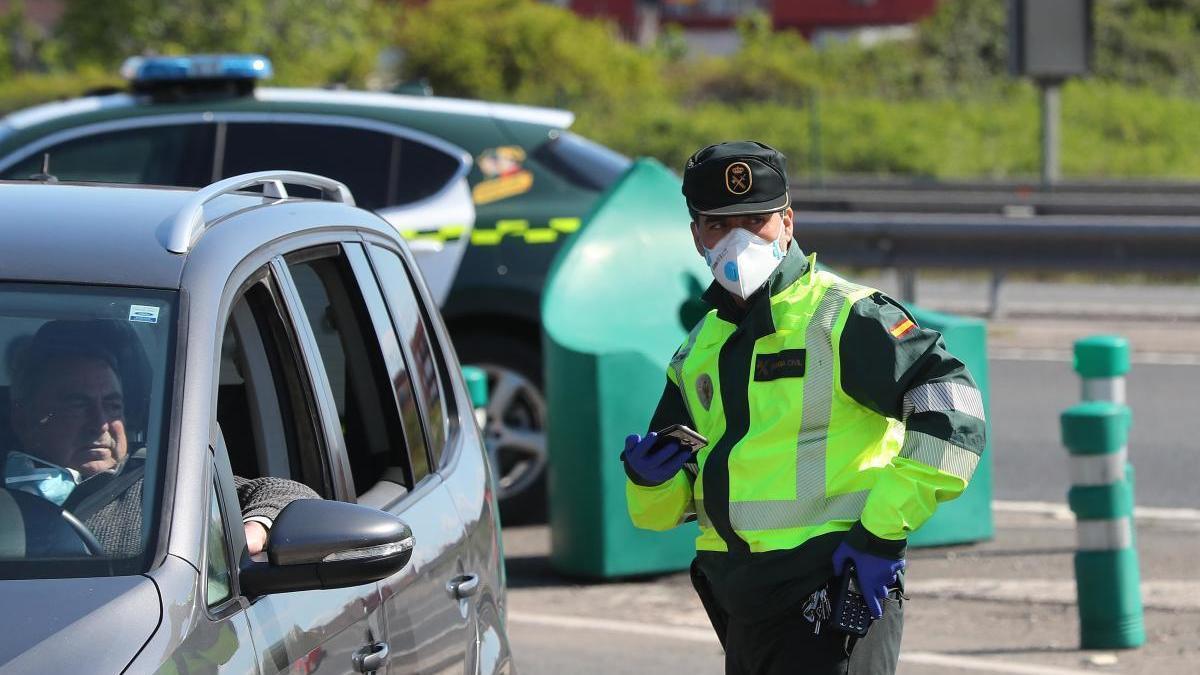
column 1066, row 356
column 1061, row 512
column 1159, row 594
column 708, row 637
column 632, row 627
column 985, row 665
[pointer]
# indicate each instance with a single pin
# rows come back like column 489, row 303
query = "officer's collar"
column 793, row 266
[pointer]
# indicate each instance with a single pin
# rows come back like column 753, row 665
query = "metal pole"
column 814, row 134
column 907, row 277
column 1051, row 113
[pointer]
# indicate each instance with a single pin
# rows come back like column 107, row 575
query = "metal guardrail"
column 1031, row 184
column 1017, row 201
column 910, row 241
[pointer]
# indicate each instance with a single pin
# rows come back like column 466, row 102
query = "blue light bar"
column 144, row 69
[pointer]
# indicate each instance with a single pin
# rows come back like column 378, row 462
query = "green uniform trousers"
column 803, row 641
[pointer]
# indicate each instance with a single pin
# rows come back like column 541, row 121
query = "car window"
column 370, row 385
column 217, row 573
column 581, row 162
column 416, row 333
column 264, row 405
column 178, row 154
column 360, row 158
column 84, row 409
column 422, row 171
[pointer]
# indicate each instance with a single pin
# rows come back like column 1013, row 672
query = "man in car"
column 69, row 420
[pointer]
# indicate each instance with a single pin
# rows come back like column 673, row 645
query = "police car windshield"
column 84, row 381
column 581, row 162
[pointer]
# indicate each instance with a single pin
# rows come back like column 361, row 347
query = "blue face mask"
column 29, row 474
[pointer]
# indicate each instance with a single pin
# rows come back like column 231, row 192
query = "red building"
column 806, row 16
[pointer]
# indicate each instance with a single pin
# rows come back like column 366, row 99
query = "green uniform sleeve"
column 662, row 507
column 898, row 369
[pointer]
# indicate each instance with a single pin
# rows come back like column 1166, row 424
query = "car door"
column 426, row 610
column 457, row 449
column 269, row 424
column 416, row 182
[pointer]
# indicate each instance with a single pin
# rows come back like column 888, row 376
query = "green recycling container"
column 968, row 518
column 619, row 300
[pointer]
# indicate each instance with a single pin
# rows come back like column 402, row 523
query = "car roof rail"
column 189, row 224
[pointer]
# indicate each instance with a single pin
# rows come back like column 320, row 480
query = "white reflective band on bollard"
column 1098, row 469
column 1103, row 535
column 1104, row 389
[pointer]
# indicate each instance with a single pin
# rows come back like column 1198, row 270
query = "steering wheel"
column 89, row 539
column 50, row 529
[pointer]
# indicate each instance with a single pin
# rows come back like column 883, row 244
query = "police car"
column 484, row 193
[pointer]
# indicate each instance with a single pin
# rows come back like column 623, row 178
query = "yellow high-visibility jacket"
column 830, row 416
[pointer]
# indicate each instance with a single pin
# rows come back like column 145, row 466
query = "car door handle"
column 371, row 658
column 463, row 586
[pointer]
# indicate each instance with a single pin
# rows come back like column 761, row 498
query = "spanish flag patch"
column 903, row 328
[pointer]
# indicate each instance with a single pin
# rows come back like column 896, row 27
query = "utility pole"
column 1051, row 116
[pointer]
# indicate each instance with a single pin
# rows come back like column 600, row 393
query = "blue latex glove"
column 650, row 462
column 874, row 574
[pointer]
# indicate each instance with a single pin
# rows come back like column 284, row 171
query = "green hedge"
column 28, row 90
column 1108, row 131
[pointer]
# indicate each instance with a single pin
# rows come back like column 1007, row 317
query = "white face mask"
column 742, row 261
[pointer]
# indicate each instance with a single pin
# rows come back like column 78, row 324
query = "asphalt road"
column 1030, row 462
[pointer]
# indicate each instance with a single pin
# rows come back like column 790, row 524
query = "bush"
column 1109, row 131
column 526, row 52
column 23, row 91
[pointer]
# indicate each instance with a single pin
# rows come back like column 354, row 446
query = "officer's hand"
column 651, row 461
column 874, row 574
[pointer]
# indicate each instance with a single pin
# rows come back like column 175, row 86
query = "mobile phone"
column 685, row 435
column 850, row 612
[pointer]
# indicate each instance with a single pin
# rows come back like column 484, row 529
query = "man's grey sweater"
column 118, row 524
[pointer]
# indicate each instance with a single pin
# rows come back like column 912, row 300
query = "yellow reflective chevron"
column 520, row 230
column 447, row 233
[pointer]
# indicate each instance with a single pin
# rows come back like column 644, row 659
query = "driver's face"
column 76, row 416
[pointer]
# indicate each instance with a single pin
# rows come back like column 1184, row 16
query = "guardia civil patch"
column 787, row 363
column 704, row 390
column 738, row 178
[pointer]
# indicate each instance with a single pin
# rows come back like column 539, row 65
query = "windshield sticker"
column 143, row 313
column 504, row 174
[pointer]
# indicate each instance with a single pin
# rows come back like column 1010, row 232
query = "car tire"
column 514, row 369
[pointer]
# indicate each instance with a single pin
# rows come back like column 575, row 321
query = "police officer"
column 835, row 427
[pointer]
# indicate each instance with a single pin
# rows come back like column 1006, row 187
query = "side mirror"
column 317, row 544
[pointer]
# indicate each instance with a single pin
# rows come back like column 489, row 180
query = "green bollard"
column 1106, row 564
column 1102, row 362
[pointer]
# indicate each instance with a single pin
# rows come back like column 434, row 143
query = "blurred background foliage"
column 939, row 104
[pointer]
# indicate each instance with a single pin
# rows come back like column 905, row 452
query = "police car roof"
column 550, row 117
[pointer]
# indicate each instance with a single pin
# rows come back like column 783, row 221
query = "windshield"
column 84, row 376
column 581, row 162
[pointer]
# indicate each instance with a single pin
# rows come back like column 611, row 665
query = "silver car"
column 247, row 338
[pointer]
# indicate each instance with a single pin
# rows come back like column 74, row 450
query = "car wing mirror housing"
column 319, row 544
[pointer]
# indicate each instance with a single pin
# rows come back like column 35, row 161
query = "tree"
column 309, row 41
